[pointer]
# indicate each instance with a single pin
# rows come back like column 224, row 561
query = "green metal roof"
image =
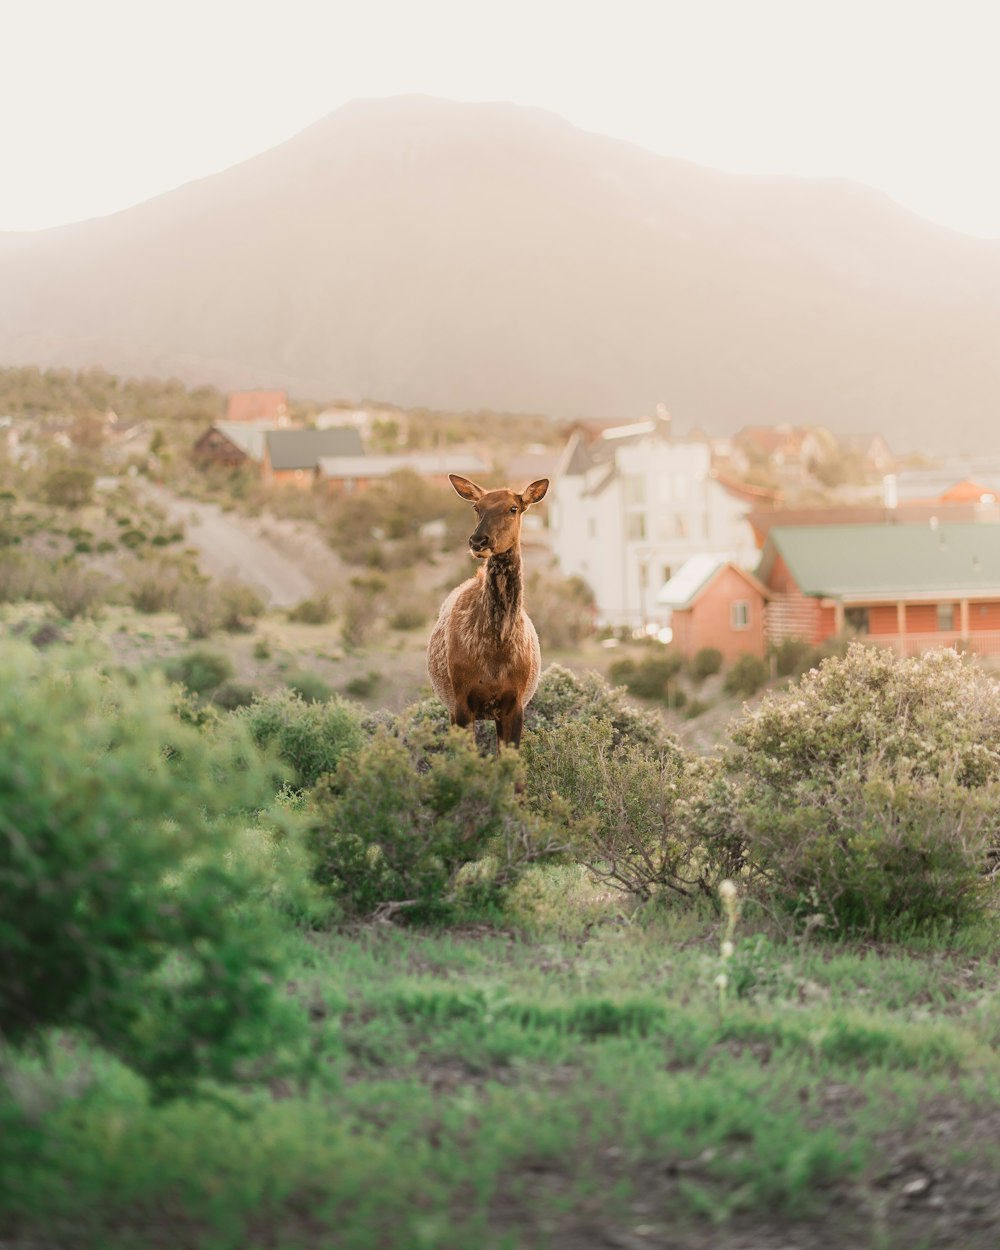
column 882, row 561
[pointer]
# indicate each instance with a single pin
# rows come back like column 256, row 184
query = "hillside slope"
column 466, row 256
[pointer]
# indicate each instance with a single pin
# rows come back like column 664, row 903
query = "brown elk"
column 483, row 656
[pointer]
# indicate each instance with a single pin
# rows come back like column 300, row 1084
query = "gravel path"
column 285, row 561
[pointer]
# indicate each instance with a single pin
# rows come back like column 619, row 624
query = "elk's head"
column 499, row 513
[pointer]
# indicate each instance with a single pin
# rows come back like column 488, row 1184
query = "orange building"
column 715, row 603
column 909, row 587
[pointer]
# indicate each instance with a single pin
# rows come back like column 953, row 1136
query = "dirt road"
column 285, row 561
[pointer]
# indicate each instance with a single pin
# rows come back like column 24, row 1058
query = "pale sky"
column 105, row 103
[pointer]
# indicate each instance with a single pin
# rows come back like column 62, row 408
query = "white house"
column 630, row 506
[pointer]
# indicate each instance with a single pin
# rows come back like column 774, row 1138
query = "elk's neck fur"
column 502, row 594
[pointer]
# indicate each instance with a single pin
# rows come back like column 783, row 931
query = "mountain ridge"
column 491, row 256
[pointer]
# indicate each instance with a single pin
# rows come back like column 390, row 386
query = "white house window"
column 591, row 527
column 739, row 614
column 634, row 487
column 636, row 525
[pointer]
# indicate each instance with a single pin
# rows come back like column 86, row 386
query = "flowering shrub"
column 871, row 790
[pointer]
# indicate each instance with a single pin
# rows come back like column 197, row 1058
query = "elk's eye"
column 514, row 510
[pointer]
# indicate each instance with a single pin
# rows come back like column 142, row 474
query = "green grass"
column 565, row 1085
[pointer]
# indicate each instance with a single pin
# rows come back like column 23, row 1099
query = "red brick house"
column 715, row 603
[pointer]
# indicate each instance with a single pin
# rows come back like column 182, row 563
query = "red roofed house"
column 261, row 407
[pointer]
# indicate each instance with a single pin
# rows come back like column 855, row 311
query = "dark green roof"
column 858, row 561
column 301, row 449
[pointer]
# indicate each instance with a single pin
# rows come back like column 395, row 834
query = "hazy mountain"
column 490, row 256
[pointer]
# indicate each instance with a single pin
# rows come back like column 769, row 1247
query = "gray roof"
column 427, row 464
column 302, row 449
column 248, row 436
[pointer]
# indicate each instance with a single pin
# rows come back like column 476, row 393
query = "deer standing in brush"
column 483, row 656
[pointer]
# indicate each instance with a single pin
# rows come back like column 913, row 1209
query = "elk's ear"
column 468, row 490
column 535, row 492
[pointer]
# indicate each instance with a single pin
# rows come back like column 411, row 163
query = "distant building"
column 715, row 603
column 232, row 443
column 910, row 587
column 260, row 407
column 958, row 475
column 292, row 457
column 354, row 474
column 630, row 505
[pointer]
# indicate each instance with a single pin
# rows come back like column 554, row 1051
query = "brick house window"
column 856, row 621
column 945, row 616
column 739, row 614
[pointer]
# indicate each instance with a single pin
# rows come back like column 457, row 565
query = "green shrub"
column 310, row 737
column 871, row 790
column 201, row 671
column 316, row 611
column 746, row 676
column 152, row 587
column 363, row 608
column 622, row 807
column 233, row 694
column 363, row 686
column 408, row 616
column 71, row 487
column 404, row 818
column 120, row 914
column 239, row 606
column 309, row 687
column 199, row 606
column 881, row 857
column 795, row 656
column 75, row 591
column 650, row 677
column 563, row 696
column 705, row 663
column 22, row 576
